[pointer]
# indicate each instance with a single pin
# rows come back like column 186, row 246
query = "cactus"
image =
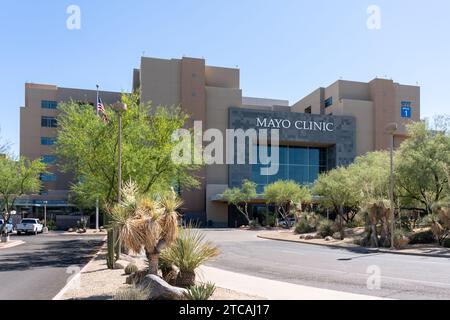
column 111, row 257
column 131, row 268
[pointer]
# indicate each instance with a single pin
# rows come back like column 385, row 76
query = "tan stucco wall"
column 315, row 100
column 363, row 112
column 31, row 130
column 216, row 211
column 218, row 101
column 160, row 81
column 222, row 77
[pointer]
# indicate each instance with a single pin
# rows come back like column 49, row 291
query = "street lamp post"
column 119, row 107
column 391, row 129
column 45, row 230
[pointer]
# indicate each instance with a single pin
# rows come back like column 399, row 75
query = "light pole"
column 119, row 107
column 391, row 129
column 45, row 230
column 97, row 226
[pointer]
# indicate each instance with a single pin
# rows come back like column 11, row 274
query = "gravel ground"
column 97, row 282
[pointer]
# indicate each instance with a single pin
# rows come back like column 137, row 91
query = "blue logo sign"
column 406, row 109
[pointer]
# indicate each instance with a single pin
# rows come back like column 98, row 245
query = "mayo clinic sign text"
column 299, row 125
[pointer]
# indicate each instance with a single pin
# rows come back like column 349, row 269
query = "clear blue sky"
column 285, row 49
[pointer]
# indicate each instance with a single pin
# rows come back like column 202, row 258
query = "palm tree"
column 146, row 224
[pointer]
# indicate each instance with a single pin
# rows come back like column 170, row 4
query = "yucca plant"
column 146, row 224
column 200, row 292
column 188, row 252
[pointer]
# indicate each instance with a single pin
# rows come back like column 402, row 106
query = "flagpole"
column 97, row 209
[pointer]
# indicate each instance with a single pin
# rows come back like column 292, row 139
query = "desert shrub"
column 325, row 228
column 254, row 224
column 200, row 292
column 360, row 219
column 446, row 243
column 303, row 226
column 189, row 251
column 422, row 237
column 51, row 225
column 307, row 223
column 405, row 223
column 270, row 220
column 400, row 239
column 130, row 294
column 131, row 268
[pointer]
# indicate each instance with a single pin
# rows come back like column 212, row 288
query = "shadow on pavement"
column 53, row 254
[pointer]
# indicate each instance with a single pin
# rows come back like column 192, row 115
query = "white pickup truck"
column 29, row 226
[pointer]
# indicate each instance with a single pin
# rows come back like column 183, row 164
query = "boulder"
column 337, row 236
column 158, row 289
column 328, row 239
column 309, row 237
column 137, row 277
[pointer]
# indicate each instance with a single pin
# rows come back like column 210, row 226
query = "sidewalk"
column 11, row 244
column 273, row 290
column 415, row 250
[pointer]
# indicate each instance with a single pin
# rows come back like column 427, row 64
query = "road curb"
column 78, row 275
column 369, row 250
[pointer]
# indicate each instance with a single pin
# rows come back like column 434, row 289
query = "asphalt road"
column 402, row 277
column 40, row 268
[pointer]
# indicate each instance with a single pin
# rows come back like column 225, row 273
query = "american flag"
column 101, row 109
column 100, row 106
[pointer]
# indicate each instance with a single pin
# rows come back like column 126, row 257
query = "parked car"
column 29, row 226
column 282, row 222
column 9, row 226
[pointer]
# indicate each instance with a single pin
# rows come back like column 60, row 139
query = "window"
column 48, row 159
column 48, row 177
column 300, row 164
column 45, row 104
column 329, row 102
column 49, row 122
column 308, row 110
column 46, row 141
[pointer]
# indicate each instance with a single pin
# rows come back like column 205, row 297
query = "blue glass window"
column 329, row 102
column 49, row 122
column 49, row 159
column 48, row 177
column 283, row 174
column 300, row 164
column 47, row 141
column 45, row 104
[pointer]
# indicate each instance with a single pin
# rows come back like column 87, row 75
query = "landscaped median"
column 97, row 282
column 348, row 243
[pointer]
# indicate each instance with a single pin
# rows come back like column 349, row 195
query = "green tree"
column 88, row 146
column 17, row 177
column 241, row 197
column 422, row 164
column 369, row 175
column 336, row 190
column 286, row 195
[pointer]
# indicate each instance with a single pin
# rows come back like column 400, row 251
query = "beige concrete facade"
column 374, row 105
column 206, row 93
column 32, row 132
